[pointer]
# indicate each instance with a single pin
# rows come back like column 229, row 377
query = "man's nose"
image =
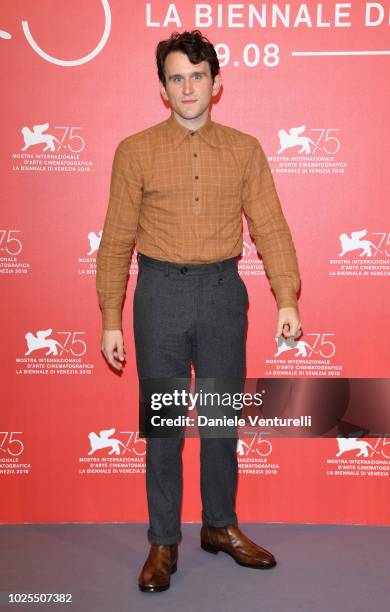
column 187, row 86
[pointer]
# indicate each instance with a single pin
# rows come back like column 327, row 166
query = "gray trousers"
column 187, row 313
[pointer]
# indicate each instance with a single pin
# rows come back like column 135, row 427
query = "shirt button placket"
column 195, row 172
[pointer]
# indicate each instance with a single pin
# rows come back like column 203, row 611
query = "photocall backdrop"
column 310, row 81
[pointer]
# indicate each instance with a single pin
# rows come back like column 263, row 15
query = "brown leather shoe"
column 158, row 567
column 233, row 542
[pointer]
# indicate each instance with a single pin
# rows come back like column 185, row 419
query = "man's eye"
column 198, row 76
column 177, row 78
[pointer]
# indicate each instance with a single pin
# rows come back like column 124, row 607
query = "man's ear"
column 217, row 84
column 163, row 91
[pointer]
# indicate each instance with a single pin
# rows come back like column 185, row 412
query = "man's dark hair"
column 195, row 46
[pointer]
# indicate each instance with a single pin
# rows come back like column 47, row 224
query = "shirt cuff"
column 286, row 297
column 112, row 319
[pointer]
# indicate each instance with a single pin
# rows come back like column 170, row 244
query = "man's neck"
column 192, row 124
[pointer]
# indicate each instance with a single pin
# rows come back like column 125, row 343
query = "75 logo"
column 257, row 445
column 10, row 443
column 321, row 345
column 71, row 343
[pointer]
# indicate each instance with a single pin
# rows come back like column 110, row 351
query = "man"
column 177, row 191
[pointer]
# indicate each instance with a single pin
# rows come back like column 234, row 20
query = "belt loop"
column 166, row 271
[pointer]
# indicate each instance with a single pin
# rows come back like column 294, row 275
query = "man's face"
column 189, row 87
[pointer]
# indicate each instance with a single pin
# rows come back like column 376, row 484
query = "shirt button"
column 195, row 155
column 184, row 270
column 192, row 133
column 196, row 176
column 196, row 199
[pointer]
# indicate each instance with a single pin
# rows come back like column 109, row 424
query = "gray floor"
column 320, row 568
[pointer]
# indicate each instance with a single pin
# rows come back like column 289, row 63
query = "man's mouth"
column 189, row 101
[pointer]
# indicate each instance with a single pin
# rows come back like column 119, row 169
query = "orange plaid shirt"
column 178, row 195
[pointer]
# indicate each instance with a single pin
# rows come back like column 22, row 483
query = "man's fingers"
column 288, row 325
column 298, row 331
column 287, row 330
column 113, row 348
column 279, row 329
column 121, row 353
column 295, row 331
column 112, row 356
column 113, row 361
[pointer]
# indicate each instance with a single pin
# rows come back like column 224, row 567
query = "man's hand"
column 288, row 324
column 113, row 348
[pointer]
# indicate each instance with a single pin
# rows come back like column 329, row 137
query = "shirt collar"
column 178, row 132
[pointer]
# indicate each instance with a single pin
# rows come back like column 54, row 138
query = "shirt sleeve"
column 118, row 238
column 268, row 226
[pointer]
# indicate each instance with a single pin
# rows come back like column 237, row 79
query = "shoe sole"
column 146, row 589
column 214, row 550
